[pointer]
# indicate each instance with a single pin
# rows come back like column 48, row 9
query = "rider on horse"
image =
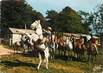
column 93, row 43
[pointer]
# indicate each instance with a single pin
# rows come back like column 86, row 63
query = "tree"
column 65, row 21
column 99, row 20
column 52, row 17
column 96, row 20
column 86, row 20
column 17, row 13
column 70, row 20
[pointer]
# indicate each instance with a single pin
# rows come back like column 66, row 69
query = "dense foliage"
column 17, row 14
column 94, row 20
column 68, row 20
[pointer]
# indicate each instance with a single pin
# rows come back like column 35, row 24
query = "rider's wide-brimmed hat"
column 49, row 28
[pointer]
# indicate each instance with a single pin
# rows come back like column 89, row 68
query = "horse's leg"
column 35, row 51
column 59, row 51
column 77, row 53
column 93, row 57
column 50, row 53
column 77, row 56
column 14, row 49
column 80, row 54
column 28, row 47
column 19, row 51
column 88, row 59
column 64, row 52
column 23, row 48
column 74, row 53
column 54, row 52
column 39, row 61
column 46, row 62
column 71, row 54
column 83, row 53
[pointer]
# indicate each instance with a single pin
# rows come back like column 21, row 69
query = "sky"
column 57, row 5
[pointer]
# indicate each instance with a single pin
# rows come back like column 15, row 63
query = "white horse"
column 43, row 54
column 34, row 37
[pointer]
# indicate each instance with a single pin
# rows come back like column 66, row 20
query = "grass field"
column 18, row 63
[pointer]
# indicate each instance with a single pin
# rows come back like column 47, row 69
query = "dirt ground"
column 18, row 63
column 5, row 51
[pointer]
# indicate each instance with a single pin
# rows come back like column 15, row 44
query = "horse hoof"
column 37, row 68
column 47, row 68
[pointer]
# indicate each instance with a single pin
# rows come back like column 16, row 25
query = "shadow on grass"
column 31, row 53
column 17, row 63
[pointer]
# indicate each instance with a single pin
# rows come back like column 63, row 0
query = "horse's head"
column 35, row 24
